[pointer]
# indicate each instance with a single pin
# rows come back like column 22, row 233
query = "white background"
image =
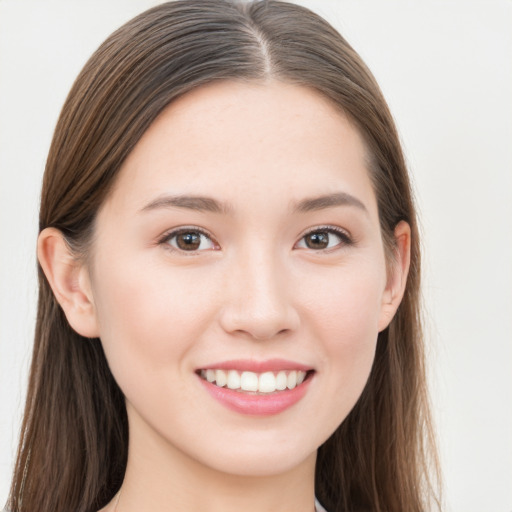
column 446, row 70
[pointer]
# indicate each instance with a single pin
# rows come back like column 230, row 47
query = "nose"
column 259, row 298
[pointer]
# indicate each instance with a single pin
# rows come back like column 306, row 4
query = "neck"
column 161, row 477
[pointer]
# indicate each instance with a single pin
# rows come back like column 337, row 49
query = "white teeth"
column 233, row 379
column 221, row 378
column 267, row 382
column 281, row 381
column 292, row 380
column 249, row 381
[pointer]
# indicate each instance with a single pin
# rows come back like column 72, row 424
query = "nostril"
column 260, row 325
column 262, row 333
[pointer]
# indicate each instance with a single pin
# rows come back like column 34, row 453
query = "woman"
column 229, row 278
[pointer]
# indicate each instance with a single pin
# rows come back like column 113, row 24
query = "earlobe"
column 69, row 280
column 397, row 278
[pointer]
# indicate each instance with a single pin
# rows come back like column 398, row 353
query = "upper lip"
column 252, row 365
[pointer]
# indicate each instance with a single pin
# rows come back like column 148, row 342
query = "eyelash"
column 346, row 239
column 165, row 240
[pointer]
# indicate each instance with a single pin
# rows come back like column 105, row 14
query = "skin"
column 253, row 290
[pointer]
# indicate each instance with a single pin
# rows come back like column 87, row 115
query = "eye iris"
column 189, row 241
column 318, row 240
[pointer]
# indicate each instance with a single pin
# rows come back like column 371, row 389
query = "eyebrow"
column 197, row 203
column 329, row 201
column 208, row 204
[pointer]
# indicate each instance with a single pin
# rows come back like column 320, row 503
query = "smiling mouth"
column 255, row 383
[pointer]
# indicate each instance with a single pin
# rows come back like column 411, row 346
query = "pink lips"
column 249, row 365
column 257, row 404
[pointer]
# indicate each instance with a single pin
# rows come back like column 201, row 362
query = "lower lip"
column 257, row 405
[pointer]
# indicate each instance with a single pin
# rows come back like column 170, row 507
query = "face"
column 238, row 277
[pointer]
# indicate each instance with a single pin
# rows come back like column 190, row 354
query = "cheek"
column 356, row 311
column 347, row 307
column 149, row 317
column 345, row 319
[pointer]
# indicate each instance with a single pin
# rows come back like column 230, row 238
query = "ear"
column 69, row 280
column 397, row 274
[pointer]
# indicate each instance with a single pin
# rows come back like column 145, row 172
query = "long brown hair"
column 73, row 448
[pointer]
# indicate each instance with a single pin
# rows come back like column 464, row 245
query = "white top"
column 318, row 507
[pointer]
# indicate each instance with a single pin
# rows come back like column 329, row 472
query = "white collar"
column 318, row 507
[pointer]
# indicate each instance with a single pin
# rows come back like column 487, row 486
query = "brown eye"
column 317, row 240
column 324, row 238
column 190, row 240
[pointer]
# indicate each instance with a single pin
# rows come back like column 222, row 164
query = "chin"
column 266, row 464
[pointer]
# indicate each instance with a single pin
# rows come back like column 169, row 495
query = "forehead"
column 241, row 141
